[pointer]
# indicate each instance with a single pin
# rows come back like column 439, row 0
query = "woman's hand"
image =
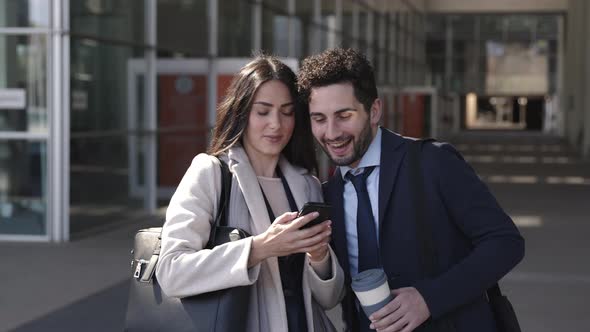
column 319, row 254
column 284, row 237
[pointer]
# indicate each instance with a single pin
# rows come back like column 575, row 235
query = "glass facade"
column 235, row 28
column 503, row 67
column 23, row 187
column 24, row 118
column 24, row 13
column 90, row 111
column 459, row 47
column 25, row 68
column 104, row 41
column 275, row 27
column 183, row 29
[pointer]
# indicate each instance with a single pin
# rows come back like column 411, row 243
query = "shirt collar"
column 372, row 156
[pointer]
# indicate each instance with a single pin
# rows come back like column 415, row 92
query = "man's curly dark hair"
column 338, row 65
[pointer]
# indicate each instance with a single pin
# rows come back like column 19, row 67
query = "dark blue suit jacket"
column 476, row 242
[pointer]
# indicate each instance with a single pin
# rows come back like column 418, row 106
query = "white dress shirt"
column 371, row 158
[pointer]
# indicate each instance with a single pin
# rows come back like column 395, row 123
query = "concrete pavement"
column 77, row 286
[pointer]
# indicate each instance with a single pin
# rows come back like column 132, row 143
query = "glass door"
column 24, row 134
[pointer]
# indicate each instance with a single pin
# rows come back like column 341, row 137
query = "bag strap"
column 221, row 218
column 223, row 204
column 429, row 257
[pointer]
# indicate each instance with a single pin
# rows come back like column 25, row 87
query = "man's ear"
column 376, row 111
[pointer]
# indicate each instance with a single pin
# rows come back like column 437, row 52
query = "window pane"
column 100, row 144
column 328, row 30
column 363, row 22
column 276, row 5
column 24, row 13
column 23, row 183
column 275, row 28
column 117, row 20
column 347, row 25
column 235, row 28
column 99, row 182
column 99, row 73
column 304, row 27
column 183, row 28
column 23, row 70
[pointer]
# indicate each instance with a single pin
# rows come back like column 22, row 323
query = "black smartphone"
column 322, row 208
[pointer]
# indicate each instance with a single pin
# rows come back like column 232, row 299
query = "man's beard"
column 359, row 148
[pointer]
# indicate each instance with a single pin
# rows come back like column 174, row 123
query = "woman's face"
column 271, row 120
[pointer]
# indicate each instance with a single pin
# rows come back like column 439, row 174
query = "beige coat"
column 185, row 268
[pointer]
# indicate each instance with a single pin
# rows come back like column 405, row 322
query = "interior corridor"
column 541, row 183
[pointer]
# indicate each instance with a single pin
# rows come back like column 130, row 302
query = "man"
column 476, row 243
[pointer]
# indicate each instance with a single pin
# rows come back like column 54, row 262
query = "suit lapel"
column 391, row 157
column 335, row 195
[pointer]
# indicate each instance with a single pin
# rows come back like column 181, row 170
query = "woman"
column 265, row 138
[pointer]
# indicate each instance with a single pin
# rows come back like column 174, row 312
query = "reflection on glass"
column 99, row 186
column 276, row 5
column 363, row 22
column 24, row 73
column 119, row 20
column 275, row 31
column 99, row 150
column 329, row 32
column 24, row 13
column 235, row 28
column 347, row 34
column 479, row 40
column 303, row 27
column 22, row 187
column 183, row 28
column 99, row 80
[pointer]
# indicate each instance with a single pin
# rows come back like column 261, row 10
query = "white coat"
column 186, row 269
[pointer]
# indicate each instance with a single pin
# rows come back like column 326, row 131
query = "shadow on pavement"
column 100, row 312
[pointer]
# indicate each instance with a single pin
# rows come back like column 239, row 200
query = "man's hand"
column 403, row 314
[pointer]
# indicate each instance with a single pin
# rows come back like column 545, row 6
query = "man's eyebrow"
column 346, row 109
column 342, row 110
column 270, row 105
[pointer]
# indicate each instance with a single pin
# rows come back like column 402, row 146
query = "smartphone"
column 322, row 208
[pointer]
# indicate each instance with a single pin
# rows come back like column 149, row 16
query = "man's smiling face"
column 340, row 123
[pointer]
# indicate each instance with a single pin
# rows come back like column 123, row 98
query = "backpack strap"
column 428, row 255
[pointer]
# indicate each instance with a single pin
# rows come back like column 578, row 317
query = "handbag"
column 149, row 309
column 504, row 314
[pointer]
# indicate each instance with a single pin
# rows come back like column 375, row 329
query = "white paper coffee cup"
column 372, row 290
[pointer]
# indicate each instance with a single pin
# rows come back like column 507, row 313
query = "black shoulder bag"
column 149, row 309
column 504, row 314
